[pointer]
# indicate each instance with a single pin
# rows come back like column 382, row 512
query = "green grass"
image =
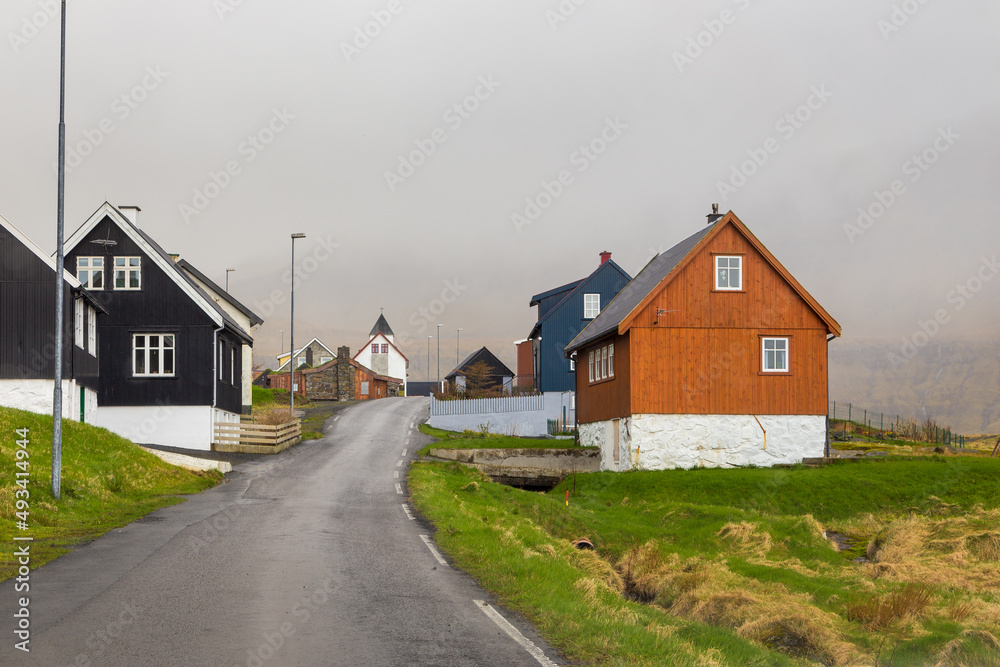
column 479, row 440
column 732, row 564
column 107, row 482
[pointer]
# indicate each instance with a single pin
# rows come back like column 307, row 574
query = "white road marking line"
column 437, row 554
column 515, row 634
column 399, row 489
column 395, row 474
column 409, row 514
column 399, row 463
column 407, row 441
column 336, row 418
column 404, row 452
column 412, row 424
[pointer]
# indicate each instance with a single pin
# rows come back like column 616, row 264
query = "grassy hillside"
column 107, row 482
column 955, row 383
column 731, row 567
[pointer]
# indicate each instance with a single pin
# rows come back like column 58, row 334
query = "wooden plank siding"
column 704, row 355
column 607, row 399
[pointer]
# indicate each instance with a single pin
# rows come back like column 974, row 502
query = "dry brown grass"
column 878, row 612
column 747, row 537
column 272, row 416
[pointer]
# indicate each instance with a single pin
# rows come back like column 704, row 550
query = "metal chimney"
column 714, row 215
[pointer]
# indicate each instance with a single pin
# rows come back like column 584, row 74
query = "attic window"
column 90, row 272
column 374, row 348
column 128, row 273
column 591, row 306
column 385, row 348
column 729, row 273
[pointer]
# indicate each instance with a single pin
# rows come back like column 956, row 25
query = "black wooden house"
column 27, row 332
column 171, row 358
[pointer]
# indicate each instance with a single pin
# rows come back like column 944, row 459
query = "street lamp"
column 291, row 333
column 282, row 348
column 439, row 356
column 458, row 348
column 228, row 271
column 57, row 395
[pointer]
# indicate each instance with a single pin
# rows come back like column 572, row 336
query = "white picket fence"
column 487, row 406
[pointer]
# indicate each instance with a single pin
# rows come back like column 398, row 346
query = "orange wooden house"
column 714, row 355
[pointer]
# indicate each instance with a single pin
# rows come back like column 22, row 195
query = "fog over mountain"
column 448, row 160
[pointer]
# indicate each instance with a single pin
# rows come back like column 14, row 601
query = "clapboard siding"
column 609, row 399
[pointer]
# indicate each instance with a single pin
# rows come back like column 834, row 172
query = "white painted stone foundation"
column 661, row 442
column 190, row 427
column 36, row 396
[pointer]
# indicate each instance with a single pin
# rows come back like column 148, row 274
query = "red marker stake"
column 567, row 497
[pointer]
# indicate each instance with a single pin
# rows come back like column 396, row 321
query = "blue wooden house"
column 563, row 312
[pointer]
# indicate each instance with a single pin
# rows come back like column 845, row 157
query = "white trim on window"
column 232, row 367
column 611, row 360
column 222, row 349
column 153, row 355
column 591, row 366
column 78, row 322
column 92, row 330
column 90, row 272
column 128, row 273
column 729, row 273
column 604, row 363
column 591, row 306
column 774, row 355
column 572, row 364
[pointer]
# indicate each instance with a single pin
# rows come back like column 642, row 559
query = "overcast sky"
column 234, row 123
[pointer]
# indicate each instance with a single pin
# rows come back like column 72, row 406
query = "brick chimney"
column 605, row 256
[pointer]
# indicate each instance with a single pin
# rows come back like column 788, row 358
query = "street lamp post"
column 439, row 356
column 57, row 396
column 291, row 333
column 458, row 348
column 228, row 271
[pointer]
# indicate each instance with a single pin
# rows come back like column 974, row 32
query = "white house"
column 381, row 354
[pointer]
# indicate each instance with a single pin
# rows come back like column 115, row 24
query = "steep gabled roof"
column 375, row 337
column 617, row 317
column 577, row 287
column 230, row 299
column 535, row 300
column 162, row 259
column 299, row 351
column 482, row 354
column 381, row 327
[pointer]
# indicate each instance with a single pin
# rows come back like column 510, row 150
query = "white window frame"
column 162, row 348
column 222, row 351
column 128, row 268
column 300, row 361
column 78, row 322
column 604, row 362
column 611, row 360
column 325, row 360
column 572, row 364
column 775, row 351
column 364, row 388
column 92, row 330
column 591, row 306
column 591, row 365
column 728, row 268
column 232, row 367
column 86, row 271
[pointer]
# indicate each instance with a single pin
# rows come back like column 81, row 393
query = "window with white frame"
column 222, row 349
column 300, row 361
column 90, row 272
column 592, row 367
column 602, row 363
column 591, row 306
column 572, row 364
column 729, row 273
column 325, row 360
column 611, row 360
column 78, row 311
column 775, row 355
column 232, row 367
column 92, row 330
column 153, row 355
column 128, row 273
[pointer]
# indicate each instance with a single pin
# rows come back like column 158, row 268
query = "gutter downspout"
column 826, row 446
column 215, row 385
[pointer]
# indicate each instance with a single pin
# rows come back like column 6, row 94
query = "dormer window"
column 128, row 273
column 729, row 273
column 591, row 306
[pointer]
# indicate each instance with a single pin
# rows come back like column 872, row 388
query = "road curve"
column 305, row 558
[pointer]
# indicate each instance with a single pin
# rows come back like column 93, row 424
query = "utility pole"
column 60, row 259
column 291, row 334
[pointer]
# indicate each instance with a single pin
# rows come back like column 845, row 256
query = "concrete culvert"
column 583, row 543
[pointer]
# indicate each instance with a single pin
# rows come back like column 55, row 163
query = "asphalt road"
column 305, row 558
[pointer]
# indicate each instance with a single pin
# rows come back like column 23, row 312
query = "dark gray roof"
column 632, row 295
column 229, row 321
column 187, row 266
column 552, row 292
column 482, row 354
column 381, row 327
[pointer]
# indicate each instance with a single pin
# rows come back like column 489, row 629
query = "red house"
column 714, row 355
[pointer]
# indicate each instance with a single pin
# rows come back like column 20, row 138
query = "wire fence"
column 849, row 421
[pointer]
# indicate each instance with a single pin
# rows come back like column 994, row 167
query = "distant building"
column 381, row 354
column 312, row 354
column 344, row 379
column 500, row 378
column 563, row 312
